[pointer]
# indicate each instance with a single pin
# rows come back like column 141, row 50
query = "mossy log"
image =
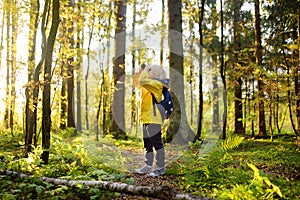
column 162, row 192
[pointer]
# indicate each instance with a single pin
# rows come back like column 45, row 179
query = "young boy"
column 147, row 81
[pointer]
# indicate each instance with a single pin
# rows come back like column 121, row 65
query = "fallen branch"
column 163, row 192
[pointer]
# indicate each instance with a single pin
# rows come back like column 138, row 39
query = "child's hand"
column 142, row 68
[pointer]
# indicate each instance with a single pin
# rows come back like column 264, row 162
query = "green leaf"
column 39, row 189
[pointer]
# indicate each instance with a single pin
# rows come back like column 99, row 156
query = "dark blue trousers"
column 152, row 139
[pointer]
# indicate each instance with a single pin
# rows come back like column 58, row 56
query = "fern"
column 232, row 142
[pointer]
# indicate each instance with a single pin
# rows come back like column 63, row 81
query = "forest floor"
column 135, row 157
column 236, row 168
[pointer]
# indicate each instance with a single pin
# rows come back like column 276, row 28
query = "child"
column 147, row 80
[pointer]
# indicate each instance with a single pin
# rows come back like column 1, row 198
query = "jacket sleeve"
column 152, row 85
column 136, row 77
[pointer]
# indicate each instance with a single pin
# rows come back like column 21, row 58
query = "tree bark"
column 79, row 63
column 63, row 99
column 91, row 31
column 14, row 27
column 223, row 77
column 179, row 130
column 216, row 96
column 118, row 107
column 7, row 7
column 134, row 108
column 261, row 107
column 200, row 115
column 106, row 81
column 238, row 105
column 70, row 64
column 161, row 192
column 46, row 116
column 101, row 99
column 30, row 107
column 297, row 81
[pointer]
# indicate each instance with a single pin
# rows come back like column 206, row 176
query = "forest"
column 70, row 122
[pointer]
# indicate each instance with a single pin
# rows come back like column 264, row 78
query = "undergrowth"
column 72, row 157
column 243, row 169
column 236, row 168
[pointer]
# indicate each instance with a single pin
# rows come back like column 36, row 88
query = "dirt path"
column 134, row 159
column 135, row 156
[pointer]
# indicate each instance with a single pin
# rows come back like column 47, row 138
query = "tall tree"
column 7, row 7
column 31, row 103
column 11, row 62
column 238, row 105
column 63, row 67
column 14, row 28
column 222, row 72
column 63, row 100
column 134, row 108
column 178, row 129
column 67, row 65
column 79, row 63
column 106, row 80
column 118, row 109
column 86, row 77
column 214, row 55
column 200, row 115
column 46, row 116
column 297, row 78
column 258, row 55
column 70, row 64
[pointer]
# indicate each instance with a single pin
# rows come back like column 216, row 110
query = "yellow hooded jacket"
column 148, row 86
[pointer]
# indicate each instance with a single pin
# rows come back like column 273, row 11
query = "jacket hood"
column 165, row 82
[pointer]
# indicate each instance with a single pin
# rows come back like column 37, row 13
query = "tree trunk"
column 222, row 72
column 216, row 105
column 276, row 113
column 261, row 107
column 78, row 97
column 270, row 116
column 8, row 62
column 79, row 63
column 46, row 116
column 161, row 192
column 179, row 130
column 297, row 83
column 70, row 64
column 30, row 107
column 134, row 108
column 14, row 24
column 191, row 77
column 106, row 81
column 238, row 105
column 254, row 107
column 100, row 103
column 118, row 107
column 200, row 115
column 63, row 99
column 86, row 77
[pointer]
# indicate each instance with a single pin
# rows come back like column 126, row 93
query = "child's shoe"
column 157, row 172
column 143, row 170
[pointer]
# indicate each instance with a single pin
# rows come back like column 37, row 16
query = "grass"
column 255, row 169
column 236, row 169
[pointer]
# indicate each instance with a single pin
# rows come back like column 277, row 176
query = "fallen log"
column 162, row 192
